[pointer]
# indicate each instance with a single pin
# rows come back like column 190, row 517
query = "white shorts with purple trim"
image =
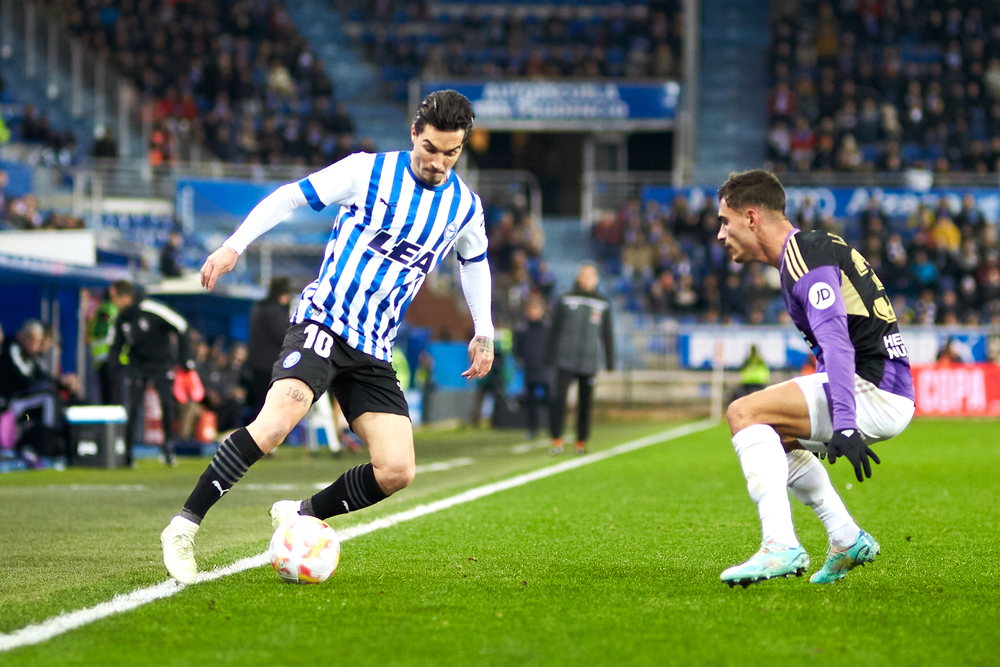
column 881, row 415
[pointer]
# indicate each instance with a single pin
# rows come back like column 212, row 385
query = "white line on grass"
column 40, row 632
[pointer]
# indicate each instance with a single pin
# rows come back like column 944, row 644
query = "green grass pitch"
column 616, row 562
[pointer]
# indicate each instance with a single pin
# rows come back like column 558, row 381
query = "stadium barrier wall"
column 962, row 390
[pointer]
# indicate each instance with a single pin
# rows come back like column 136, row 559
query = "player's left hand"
column 480, row 356
column 848, row 443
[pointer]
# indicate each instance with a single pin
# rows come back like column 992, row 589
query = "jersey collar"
column 784, row 247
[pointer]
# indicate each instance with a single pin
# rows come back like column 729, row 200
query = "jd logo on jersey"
column 403, row 252
column 821, row 296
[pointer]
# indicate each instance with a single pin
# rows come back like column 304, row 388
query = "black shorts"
column 323, row 360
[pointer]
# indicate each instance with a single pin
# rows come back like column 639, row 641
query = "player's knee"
column 395, row 476
column 739, row 414
column 269, row 431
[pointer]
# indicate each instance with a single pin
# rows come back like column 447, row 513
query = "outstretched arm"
column 269, row 212
column 478, row 289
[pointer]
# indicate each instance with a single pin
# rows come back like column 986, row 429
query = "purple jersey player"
column 862, row 392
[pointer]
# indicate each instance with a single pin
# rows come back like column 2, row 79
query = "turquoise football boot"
column 772, row 560
column 841, row 561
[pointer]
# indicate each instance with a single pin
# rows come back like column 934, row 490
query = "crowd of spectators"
column 22, row 213
column 885, row 86
column 232, row 75
column 520, row 272
column 939, row 266
column 487, row 40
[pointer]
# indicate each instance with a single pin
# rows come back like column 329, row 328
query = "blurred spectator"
column 224, row 393
column 529, row 350
column 170, row 256
column 581, row 333
column 151, row 331
column 101, row 333
column 105, row 145
column 268, row 323
column 755, row 374
column 27, row 390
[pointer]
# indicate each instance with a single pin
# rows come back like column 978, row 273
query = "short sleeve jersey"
column 389, row 231
column 822, row 278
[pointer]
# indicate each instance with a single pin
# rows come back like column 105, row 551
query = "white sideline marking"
column 57, row 625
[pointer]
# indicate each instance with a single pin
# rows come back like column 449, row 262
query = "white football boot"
column 178, row 549
column 283, row 510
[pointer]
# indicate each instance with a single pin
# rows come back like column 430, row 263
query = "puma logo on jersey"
column 222, row 491
column 387, row 205
column 404, row 252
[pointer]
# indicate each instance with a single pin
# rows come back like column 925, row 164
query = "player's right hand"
column 848, row 443
column 218, row 263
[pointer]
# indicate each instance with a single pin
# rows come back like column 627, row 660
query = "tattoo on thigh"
column 297, row 396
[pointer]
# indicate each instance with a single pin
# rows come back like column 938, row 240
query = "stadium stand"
column 883, row 86
column 449, row 39
column 939, row 264
column 235, row 77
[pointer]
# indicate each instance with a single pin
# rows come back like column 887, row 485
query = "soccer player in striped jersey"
column 395, row 217
column 861, row 394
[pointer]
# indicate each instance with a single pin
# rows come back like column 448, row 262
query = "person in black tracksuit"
column 269, row 320
column 581, row 326
column 147, row 328
column 529, row 348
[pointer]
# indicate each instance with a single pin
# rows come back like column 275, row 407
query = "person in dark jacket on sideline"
column 581, row 326
column 269, row 320
column 529, row 349
column 148, row 329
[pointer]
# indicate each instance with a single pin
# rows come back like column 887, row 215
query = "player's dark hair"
column 446, row 110
column 279, row 287
column 756, row 187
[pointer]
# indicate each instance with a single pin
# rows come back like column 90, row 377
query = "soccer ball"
column 304, row 550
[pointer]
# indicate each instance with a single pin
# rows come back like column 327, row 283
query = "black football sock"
column 235, row 456
column 355, row 489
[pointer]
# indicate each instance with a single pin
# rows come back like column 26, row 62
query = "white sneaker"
column 178, row 549
column 283, row 510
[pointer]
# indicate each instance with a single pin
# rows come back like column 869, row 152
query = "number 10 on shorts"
column 318, row 341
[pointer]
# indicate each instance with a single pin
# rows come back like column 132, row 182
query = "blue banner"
column 850, row 202
column 554, row 102
column 784, row 347
column 216, row 206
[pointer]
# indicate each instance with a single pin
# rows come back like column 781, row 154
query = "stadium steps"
column 732, row 96
column 356, row 81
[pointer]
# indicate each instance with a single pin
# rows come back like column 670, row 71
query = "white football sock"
column 766, row 470
column 810, row 483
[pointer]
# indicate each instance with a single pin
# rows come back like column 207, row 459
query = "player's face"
column 735, row 233
column 435, row 152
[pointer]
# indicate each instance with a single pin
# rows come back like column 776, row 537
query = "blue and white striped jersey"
column 390, row 231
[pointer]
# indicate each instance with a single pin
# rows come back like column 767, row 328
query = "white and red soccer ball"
column 304, row 550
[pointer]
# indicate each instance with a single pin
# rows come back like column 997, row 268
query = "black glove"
column 848, row 443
